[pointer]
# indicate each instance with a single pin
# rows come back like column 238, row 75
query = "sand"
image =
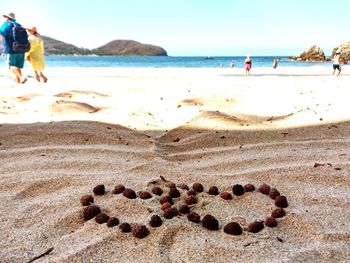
column 288, row 128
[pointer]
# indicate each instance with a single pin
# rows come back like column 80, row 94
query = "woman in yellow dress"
column 35, row 56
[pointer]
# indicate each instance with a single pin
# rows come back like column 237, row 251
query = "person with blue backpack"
column 15, row 44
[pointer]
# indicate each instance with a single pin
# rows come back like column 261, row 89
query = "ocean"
column 169, row 61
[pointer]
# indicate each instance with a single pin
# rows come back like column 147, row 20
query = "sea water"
column 169, row 61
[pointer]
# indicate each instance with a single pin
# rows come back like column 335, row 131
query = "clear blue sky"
column 192, row 27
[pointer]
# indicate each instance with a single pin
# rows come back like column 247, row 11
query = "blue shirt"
column 6, row 32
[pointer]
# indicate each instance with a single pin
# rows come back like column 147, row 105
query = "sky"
column 192, row 27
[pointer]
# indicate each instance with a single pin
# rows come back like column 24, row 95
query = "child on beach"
column 248, row 65
column 35, row 56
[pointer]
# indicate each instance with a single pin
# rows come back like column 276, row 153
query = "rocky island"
column 113, row 48
column 313, row 54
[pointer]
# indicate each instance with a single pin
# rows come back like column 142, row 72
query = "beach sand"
column 288, row 128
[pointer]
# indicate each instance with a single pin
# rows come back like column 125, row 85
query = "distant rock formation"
column 313, row 54
column 57, row 47
column 129, row 47
column 114, row 48
column 344, row 51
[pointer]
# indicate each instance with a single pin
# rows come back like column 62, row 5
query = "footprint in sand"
column 73, row 93
column 27, row 97
column 69, row 107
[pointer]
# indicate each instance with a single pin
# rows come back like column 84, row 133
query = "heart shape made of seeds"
column 188, row 198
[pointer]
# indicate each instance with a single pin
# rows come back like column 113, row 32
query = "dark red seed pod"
column 145, row 195
column 198, row 187
column 233, row 228
column 129, row 193
column 191, row 200
column 101, row 218
column 166, row 199
column 210, row 222
column 277, row 213
column 174, row 193
column 238, row 190
column 213, row 190
column 281, row 201
column 255, row 227
column 99, row 189
column 91, row 211
column 249, row 188
column 226, row 196
column 168, row 213
column 264, row 189
column 112, row 221
column 165, row 206
column 125, row 227
column 174, row 211
column 271, row 222
column 184, row 209
column 157, row 190
column 273, row 193
column 183, row 186
column 118, row 189
column 86, row 200
column 191, row 192
column 140, row 231
column 155, row 221
column 194, row 217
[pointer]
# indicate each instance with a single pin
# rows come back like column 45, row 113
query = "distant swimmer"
column 232, row 63
column 247, row 65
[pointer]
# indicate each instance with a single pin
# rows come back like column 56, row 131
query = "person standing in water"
column 275, row 62
column 35, row 56
column 247, row 65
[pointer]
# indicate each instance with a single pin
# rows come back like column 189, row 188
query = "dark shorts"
column 15, row 60
column 336, row 66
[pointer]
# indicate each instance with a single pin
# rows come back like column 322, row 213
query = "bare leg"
column 37, row 76
column 43, row 76
column 17, row 74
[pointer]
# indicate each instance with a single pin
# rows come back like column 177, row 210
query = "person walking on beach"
column 14, row 59
column 336, row 63
column 275, row 62
column 248, row 65
column 35, row 56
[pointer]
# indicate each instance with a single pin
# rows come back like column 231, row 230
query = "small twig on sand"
column 162, row 177
column 41, row 255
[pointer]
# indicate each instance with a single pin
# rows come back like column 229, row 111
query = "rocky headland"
column 316, row 54
column 344, row 50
